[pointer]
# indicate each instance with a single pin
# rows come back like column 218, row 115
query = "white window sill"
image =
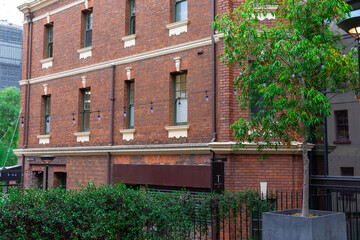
column 82, row 136
column 85, row 52
column 129, row 40
column 177, row 28
column 268, row 15
column 128, row 134
column 44, row 139
column 47, row 62
column 177, row 131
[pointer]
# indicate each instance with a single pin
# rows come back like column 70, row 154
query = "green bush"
column 116, row 212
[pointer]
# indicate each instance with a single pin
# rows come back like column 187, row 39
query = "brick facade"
column 152, row 68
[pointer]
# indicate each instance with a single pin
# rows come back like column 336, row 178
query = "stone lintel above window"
column 85, row 52
column 177, row 28
column 177, row 131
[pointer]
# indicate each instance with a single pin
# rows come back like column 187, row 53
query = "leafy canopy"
column 286, row 64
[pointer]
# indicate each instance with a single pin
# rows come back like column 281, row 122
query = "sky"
column 9, row 11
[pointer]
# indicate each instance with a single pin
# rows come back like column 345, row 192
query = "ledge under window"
column 47, row 62
column 177, row 28
column 44, row 139
column 82, row 136
column 85, row 52
column 342, row 141
column 129, row 40
column 128, row 134
column 177, row 131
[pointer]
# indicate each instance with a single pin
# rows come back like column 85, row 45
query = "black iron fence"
column 247, row 224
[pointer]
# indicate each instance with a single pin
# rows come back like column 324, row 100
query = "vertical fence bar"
column 357, row 215
column 229, row 224
column 350, row 211
column 247, row 221
column 241, row 227
column 234, row 214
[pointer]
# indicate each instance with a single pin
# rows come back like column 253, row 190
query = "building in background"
column 10, row 54
column 133, row 91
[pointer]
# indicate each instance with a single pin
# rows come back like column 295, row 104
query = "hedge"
column 117, row 212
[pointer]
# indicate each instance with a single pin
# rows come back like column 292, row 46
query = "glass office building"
column 10, row 54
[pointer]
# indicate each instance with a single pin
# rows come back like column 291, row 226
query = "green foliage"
column 116, row 212
column 289, row 63
column 9, row 111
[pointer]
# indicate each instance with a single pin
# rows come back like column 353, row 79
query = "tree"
column 285, row 68
column 9, row 112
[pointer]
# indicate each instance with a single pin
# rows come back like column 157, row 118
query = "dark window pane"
column 180, row 99
column 86, row 110
column 132, row 17
column 180, row 10
column 342, row 127
column 88, row 29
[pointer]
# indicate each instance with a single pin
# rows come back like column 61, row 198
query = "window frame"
column 85, row 112
column 176, row 2
column 49, row 40
column 47, row 113
column 131, row 101
column 88, row 26
column 132, row 17
column 342, row 127
column 175, row 98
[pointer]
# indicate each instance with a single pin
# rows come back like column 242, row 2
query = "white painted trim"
column 128, row 134
column 129, row 40
column 269, row 15
column 82, row 136
column 124, row 60
column 177, row 131
column 30, row 8
column 252, row 148
column 85, row 52
column 177, row 28
column 44, row 139
column 161, row 149
column 47, row 62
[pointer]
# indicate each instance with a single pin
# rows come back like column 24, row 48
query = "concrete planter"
column 280, row 225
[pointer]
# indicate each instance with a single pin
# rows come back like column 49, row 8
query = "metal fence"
column 248, row 224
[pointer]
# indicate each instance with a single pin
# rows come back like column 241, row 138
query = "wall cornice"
column 161, row 149
column 124, row 60
column 33, row 5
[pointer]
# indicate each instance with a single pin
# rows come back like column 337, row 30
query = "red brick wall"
column 109, row 26
column 281, row 172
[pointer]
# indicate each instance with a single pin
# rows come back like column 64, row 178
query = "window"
column 180, row 99
column 347, row 171
column 254, row 107
column 130, row 120
column 49, row 42
column 132, row 17
column 47, row 104
column 342, row 127
column 85, row 110
column 88, row 28
column 180, row 10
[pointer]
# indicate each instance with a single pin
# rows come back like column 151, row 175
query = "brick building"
column 133, row 91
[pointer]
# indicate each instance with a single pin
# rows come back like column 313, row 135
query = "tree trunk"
column 305, row 203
